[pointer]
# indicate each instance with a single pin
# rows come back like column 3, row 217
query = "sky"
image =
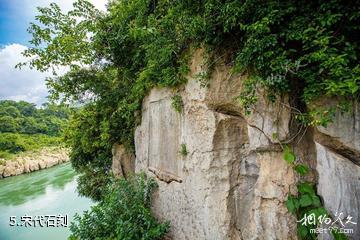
column 15, row 16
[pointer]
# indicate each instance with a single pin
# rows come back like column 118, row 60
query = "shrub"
column 177, row 103
column 11, row 143
column 183, row 150
column 23, row 117
column 92, row 182
column 124, row 213
column 15, row 143
column 8, row 124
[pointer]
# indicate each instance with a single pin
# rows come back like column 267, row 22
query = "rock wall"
column 338, row 166
column 46, row 158
column 232, row 182
column 123, row 161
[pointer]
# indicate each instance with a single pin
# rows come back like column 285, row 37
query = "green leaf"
column 320, row 211
column 305, row 200
column 292, row 204
column 302, row 231
column 289, row 156
column 301, row 169
column 305, row 187
column 316, row 201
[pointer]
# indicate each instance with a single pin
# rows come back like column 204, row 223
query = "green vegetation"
column 23, row 117
column 306, row 202
column 124, row 213
column 88, row 136
column 23, row 127
column 177, row 103
column 13, row 143
column 183, row 150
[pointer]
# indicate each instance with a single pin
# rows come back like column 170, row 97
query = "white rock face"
column 339, row 186
column 231, row 184
column 345, row 127
column 10, row 169
column 1, row 171
column 338, row 166
column 268, row 122
column 25, row 164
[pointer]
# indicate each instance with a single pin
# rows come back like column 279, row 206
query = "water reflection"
column 20, row 189
column 46, row 192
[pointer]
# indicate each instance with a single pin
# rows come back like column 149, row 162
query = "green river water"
column 46, row 192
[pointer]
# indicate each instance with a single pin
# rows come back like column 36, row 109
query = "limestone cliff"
column 232, row 181
column 33, row 161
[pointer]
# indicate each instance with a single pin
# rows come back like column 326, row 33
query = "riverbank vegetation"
column 12, row 144
column 124, row 213
column 24, row 128
column 117, row 56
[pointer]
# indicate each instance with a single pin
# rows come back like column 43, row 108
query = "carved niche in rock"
column 164, row 132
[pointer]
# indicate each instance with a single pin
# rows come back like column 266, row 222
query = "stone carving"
column 164, row 133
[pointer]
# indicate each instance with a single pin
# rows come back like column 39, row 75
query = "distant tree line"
column 25, row 127
column 23, row 117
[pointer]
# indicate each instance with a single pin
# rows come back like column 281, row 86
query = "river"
column 46, row 192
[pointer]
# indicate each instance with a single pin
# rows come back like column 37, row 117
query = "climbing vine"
column 306, row 203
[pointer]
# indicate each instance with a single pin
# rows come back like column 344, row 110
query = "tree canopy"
column 23, row 117
column 24, row 127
